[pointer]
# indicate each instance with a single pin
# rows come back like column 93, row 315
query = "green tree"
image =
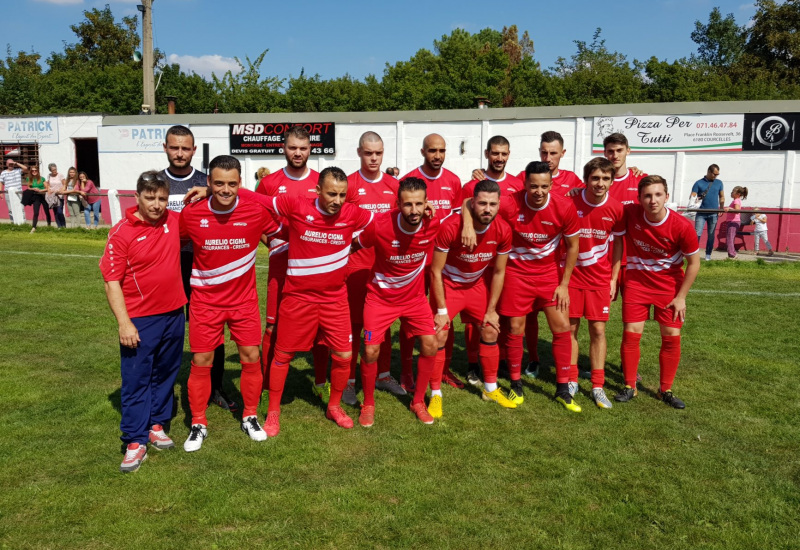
column 194, row 93
column 720, row 42
column 20, row 81
column 773, row 41
column 247, row 91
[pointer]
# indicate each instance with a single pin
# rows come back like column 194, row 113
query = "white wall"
column 69, row 128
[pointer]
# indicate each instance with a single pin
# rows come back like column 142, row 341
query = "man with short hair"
column 657, row 242
column 181, row 176
column 711, row 192
column 376, row 192
column 11, row 181
column 140, row 267
column 539, row 222
column 461, row 285
column 314, row 307
column 593, row 282
column 403, row 239
column 443, row 194
column 624, row 188
column 225, row 229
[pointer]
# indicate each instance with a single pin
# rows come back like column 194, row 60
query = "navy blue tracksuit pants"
column 149, row 372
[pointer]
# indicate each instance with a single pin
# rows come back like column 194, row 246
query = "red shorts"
column 302, row 324
column 592, row 305
column 206, row 326
column 521, row 296
column 357, row 294
column 276, row 276
column 470, row 302
column 379, row 315
column 636, row 302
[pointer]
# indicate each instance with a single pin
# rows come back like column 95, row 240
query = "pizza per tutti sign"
column 267, row 138
column 669, row 133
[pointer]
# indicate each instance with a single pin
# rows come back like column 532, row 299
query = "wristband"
column 441, row 311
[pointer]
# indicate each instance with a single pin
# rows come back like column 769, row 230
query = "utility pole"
column 148, row 78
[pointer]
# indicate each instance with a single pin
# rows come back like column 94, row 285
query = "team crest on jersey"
column 424, row 241
column 606, row 218
column 282, row 189
column 396, row 243
column 580, row 213
column 240, row 224
column 545, row 222
column 521, row 218
column 637, row 227
column 362, row 191
column 204, row 223
column 310, row 218
column 340, row 224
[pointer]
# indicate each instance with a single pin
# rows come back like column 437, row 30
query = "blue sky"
column 359, row 37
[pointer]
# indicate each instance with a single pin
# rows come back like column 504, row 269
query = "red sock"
column 369, row 372
column 438, row 369
column 448, row 350
column 472, row 338
column 356, row 332
column 199, row 386
column 514, row 353
column 267, row 355
column 562, row 355
column 277, row 378
column 406, row 355
column 250, row 384
column 598, row 378
column 320, row 353
column 630, row 353
column 668, row 359
column 385, row 357
column 489, row 356
column 425, row 366
column 340, row 370
column 532, row 335
column 573, row 373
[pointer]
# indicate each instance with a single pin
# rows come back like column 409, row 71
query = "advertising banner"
column 42, row 129
column 771, row 132
column 267, row 138
column 132, row 139
column 669, row 133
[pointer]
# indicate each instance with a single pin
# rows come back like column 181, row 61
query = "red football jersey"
column 319, row 246
column 225, row 245
column 508, row 186
column 145, row 259
column 563, row 182
column 400, row 257
column 378, row 197
column 656, row 250
column 443, row 191
column 537, row 232
column 626, row 188
column 464, row 267
column 600, row 223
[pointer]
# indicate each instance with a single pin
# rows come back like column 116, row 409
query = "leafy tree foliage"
column 720, row 42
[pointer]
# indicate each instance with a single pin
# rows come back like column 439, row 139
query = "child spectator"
column 734, row 219
column 760, row 233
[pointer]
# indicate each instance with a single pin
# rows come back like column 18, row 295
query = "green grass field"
column 724, row 473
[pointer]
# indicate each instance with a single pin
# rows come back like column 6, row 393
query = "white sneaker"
column 252, row 428
column 195, row 439
column 708, row 257
column 600, row 399
column 573, row 388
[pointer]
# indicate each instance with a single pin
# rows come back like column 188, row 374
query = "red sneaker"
column 272, row 424
column 159, row 439
column 422, row 412
column 450, row 379
column 338, row 415
column 135, row 454
column 367, row 416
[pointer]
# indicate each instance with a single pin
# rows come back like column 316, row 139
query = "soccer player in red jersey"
column 658, row 241
column 376, row 192
column 225, row 230
column 460, row 284
column 141, row 270
column 314, row 306
column 593, row 282
column 625, row 187
column 540, row 221
column 403, row 239
column 496, row 153
column 443, row 192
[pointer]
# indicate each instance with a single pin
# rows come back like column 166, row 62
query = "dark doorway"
column 86, row 159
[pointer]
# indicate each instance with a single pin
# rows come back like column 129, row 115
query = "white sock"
column 490, row 386
column 383, row 375
column 436, row 392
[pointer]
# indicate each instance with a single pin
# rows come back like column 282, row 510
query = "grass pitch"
column 724, row 473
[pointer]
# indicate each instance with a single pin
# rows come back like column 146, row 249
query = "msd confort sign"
column 672, row 133
column 29, row 130
column 267, row 138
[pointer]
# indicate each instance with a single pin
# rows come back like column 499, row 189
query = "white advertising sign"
column 29, row 129
column 132, row 139
column 666, row 133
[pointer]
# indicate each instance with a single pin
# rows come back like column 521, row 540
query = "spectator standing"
column 710, row 191
column 39, row 186
column 73, row 196
column 734, row 218
column 54, row 196
column 760, row 232
column 11, row 180
column 90, row 198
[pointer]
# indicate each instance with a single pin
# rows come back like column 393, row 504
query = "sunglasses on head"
column 148, row 178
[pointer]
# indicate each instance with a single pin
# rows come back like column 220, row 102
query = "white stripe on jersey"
column 250, row 258
column 398, row 282
column 310, row 262
column 322, row 264
column 594, row 255
column 458, row 276
column 530, row 254
column 656, row 264
column 225, row 273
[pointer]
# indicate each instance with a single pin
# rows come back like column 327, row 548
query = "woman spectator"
column 73, row 196
column 91, row 198
column 54, row 196
column 39, row 186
